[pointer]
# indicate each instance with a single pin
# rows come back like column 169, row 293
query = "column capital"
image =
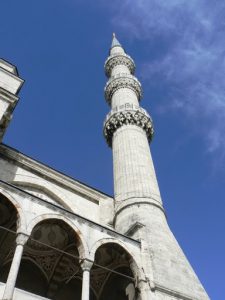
column 86, row 264
column 21, row 238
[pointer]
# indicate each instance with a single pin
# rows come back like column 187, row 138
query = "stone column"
column 86, row 267
column 21, row 240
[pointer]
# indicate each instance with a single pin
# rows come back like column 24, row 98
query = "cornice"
column 18, row 82
column 108, row 230
column 173, row 293
column 8, row 97
column 52, row 175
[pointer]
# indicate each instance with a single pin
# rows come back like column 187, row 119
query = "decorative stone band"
column 121, row 59
column 135, row 116
column 122, row 80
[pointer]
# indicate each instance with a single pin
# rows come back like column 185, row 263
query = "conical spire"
column 115, row 42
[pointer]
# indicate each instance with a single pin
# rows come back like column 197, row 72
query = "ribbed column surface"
column 134, row 174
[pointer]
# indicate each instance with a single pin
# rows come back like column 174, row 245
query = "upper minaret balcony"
column 123, row 92
column 120, row 67
column 118, row 61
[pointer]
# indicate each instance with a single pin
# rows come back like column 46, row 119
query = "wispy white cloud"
column 194, row 62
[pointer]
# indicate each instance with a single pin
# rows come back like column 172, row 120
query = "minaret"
column 128, row 129
column 10, row 85
column 139, row 212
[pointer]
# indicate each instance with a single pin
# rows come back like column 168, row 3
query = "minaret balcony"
column 127, row 114
column 119, row 59
column 122, row 80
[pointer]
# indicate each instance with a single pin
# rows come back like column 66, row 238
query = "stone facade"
column 61, row 239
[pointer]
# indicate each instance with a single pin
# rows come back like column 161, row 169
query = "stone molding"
column 122, row 80
column 119, row 59
column 138, row 117
column 10, row 81
column 134, row 228
column 137, row 202
column 50, row 174
column 172, row 293
column 8, row 97
column 69, row 215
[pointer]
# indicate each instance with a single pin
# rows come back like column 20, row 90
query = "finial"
column 115, row 42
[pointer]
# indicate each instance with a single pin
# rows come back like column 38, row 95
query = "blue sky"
column 60, row 47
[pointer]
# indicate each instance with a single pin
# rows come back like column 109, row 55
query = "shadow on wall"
column 8, row 168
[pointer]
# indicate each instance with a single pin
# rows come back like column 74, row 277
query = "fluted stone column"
column 21, row 240
column 86, row 267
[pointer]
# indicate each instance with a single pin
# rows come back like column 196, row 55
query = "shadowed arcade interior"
column 54, row 270
column 43, row 270
column 50, row 264
column 109, row 285
column 8, row 220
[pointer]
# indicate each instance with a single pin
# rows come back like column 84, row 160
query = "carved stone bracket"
column 122, row 81
column 121, row 59
column 138, row 117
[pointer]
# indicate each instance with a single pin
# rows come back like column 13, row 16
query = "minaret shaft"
column 124, row 96
column 134, row 174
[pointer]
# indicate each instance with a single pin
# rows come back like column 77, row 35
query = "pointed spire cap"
column 115, row 42
column 116, row 47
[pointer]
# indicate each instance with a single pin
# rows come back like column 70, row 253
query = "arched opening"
column 50, row 262
column 8, row 220
column 119, row 284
